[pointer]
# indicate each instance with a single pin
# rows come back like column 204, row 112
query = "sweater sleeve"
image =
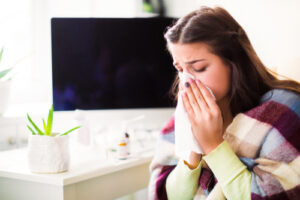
column 230, row 172
column 182, row 182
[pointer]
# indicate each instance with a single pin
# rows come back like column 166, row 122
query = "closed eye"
column 200, row 70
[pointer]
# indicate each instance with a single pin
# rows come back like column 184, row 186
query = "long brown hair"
column 250, row 79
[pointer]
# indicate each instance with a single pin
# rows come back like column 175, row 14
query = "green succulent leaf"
column 4, row 72
column 1, row 53
column 73, row 129
column 33, row 133
column 50, row 121
column 45, row 126
column 35, row 126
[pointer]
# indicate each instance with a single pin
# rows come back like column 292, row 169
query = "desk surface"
column 84, row 165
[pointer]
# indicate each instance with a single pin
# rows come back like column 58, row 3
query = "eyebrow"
column 190, row 62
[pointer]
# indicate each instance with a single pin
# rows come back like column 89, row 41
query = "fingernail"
column 197, row 81
column 191, row 80
column 186, row 84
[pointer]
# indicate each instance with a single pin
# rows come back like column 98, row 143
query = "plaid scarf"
column 265, row 138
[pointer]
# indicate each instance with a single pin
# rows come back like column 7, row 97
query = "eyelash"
column 201, row 70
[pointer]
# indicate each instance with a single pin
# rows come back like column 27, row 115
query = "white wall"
column 273, row 27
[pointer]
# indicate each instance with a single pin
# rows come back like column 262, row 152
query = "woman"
column 250, row 135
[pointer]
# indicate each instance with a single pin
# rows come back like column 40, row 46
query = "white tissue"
column 185, row 141
column 184, row 77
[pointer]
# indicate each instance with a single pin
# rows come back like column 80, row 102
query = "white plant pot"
column 5, row 95
column 48, row 154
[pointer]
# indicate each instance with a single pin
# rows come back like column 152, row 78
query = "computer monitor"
column 111, row 63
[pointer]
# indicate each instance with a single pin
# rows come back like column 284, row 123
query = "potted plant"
column 5, row 84
column 48, row 152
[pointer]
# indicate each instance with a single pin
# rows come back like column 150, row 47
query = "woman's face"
column 197, row 60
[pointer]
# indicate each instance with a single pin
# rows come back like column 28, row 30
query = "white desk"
column 90, row 178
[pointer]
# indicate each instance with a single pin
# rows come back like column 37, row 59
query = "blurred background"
column 273, row 27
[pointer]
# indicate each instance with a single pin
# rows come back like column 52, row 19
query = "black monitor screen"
column 111, row 63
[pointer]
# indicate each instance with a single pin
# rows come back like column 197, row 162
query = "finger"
column 187, row 106
column 206, row 94
column 180, row 86
column 192, row 98
column 198, row 95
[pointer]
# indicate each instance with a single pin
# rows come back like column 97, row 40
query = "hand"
column 204, row 115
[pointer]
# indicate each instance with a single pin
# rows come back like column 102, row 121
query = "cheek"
column 218, row 82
